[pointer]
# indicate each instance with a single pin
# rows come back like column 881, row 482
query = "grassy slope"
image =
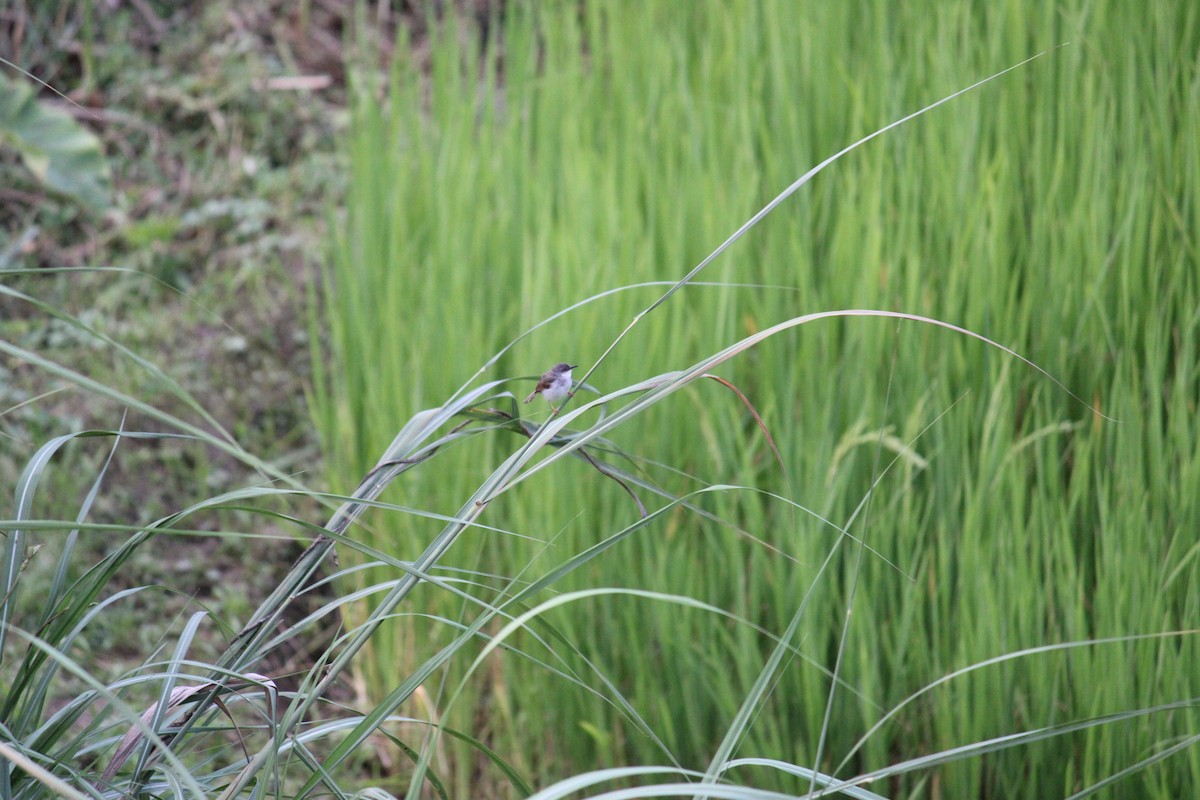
column 1052, row 210
column 218, row 179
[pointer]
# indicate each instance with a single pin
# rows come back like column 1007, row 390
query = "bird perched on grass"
column 555, row 385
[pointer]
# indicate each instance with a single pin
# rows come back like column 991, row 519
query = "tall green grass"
column 586, row 148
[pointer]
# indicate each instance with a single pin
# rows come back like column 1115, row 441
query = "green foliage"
column 578, row 152
column 942, row 574
column 61, row 153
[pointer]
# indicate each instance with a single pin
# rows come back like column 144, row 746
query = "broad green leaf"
column 62, row 154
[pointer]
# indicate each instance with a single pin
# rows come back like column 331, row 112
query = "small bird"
column 554, row 385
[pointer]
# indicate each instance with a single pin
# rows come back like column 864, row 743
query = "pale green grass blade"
column 792, row 189
column 178, row 770
column 163, row 705
column 805, row 774
column 1136, row 767
column 43, row 776
column 977, row 749
column 160, row 377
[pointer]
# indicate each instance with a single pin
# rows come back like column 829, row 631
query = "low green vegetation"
column 930, row 531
